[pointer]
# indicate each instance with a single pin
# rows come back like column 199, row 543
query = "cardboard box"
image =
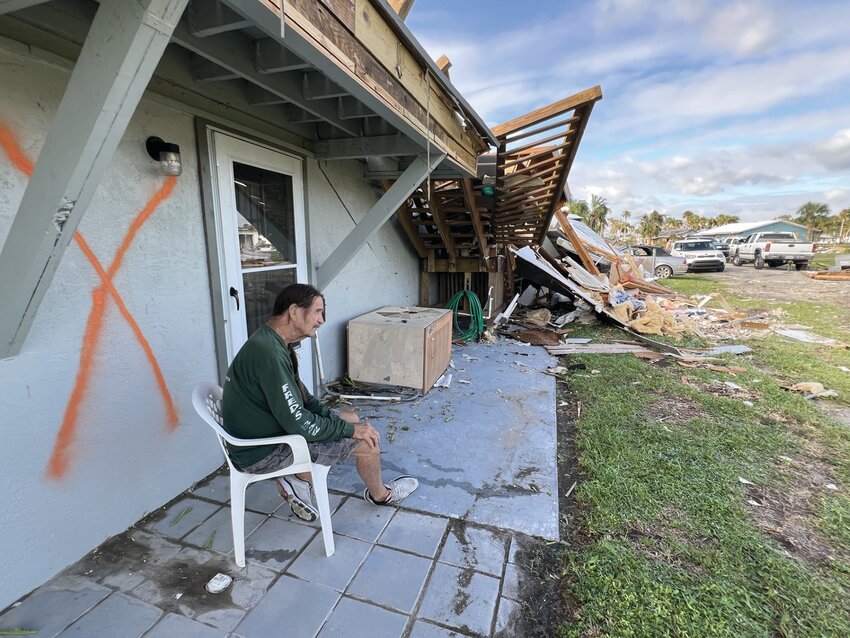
column 406, row 346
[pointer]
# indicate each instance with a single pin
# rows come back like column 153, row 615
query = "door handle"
column 235, row 294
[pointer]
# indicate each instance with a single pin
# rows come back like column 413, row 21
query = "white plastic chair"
column 207, row 401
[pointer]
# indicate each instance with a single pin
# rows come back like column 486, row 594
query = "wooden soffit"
column 367, row 49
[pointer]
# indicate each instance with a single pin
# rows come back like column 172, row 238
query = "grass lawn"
column 698, row 514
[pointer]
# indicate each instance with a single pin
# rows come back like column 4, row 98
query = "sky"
column 740, row 108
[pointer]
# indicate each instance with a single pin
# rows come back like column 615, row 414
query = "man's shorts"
column 323, row 453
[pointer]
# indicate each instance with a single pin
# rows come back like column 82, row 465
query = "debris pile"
column 588, row 269
column 839, row 272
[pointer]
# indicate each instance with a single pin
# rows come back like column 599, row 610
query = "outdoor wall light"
column 168, row 155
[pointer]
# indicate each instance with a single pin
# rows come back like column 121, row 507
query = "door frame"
column 205, row 129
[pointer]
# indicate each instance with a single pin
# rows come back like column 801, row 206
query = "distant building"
column 744, row 229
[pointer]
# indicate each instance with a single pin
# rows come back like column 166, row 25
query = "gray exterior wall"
column 384, row 272
column 124, row 460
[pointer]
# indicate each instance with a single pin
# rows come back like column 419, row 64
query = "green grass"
column 824, row 259
column 668, row 545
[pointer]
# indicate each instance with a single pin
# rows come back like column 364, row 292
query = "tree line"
column 597, row 214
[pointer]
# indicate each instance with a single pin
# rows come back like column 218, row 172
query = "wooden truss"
column 536, row 152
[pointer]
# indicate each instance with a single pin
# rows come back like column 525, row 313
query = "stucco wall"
column 384, row 272
column 122, row 457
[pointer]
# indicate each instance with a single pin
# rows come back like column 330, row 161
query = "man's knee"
column 364, row 450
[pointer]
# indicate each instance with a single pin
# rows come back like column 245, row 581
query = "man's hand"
column 365, row 432
column 349, row 415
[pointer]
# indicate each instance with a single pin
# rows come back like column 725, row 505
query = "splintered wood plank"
column 586, row 260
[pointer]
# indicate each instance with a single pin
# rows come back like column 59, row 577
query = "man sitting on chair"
column 264, row 397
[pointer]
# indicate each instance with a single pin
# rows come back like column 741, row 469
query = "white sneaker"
column 300, row 498
column 399, row 488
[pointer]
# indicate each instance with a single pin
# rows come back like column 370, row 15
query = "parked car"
column 699, row 254
column 723, row 247
column 774, row 249
column 717, row 244
column 657, row 261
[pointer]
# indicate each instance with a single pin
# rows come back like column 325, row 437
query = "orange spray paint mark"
column 59, row 461
column 14, row 152
column 58, row 464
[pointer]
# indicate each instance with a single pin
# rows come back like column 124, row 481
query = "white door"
column 261, row 238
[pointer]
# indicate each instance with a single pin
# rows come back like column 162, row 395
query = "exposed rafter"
column 532, row 165
column 384, row 208
column 235, row 53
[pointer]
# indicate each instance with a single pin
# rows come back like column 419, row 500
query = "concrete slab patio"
column 484, row 449
column 444, row 564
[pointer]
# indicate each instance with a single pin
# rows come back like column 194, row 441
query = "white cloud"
column 722, row 106
column 835, row 152
column 744, row 28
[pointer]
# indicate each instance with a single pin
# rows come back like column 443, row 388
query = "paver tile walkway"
column 385, row 579
column 444, row 564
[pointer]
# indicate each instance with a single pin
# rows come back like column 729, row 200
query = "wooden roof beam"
column 586, row 259
column 402, row 7
column 406, row 221
column 469, row 198
column 521, row 135
column 444, row 64
column 565, row 170
column 443, row 227
column 588, row 96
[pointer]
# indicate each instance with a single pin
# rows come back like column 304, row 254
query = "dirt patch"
column 785, row 510
column 728, row 389
column 779, row 284
column 673, row 410
column 656, row 541
column 837, row 412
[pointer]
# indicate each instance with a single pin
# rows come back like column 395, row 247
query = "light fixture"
column 168, row 155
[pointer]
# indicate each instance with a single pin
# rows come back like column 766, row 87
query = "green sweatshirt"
column 262, row 399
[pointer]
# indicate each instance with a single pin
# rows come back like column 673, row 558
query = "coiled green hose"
column 476, row 323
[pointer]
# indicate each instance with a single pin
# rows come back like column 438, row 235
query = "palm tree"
column 844, row 216
column 598, row 213
column 650, row 225
column 673, row 223
column 579, row 207
column 810, row 214
column 619, row 228
column 692, row 220
column 722, row 220
column 626, row 214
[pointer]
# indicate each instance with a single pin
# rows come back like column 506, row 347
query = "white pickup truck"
column 773, row 249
